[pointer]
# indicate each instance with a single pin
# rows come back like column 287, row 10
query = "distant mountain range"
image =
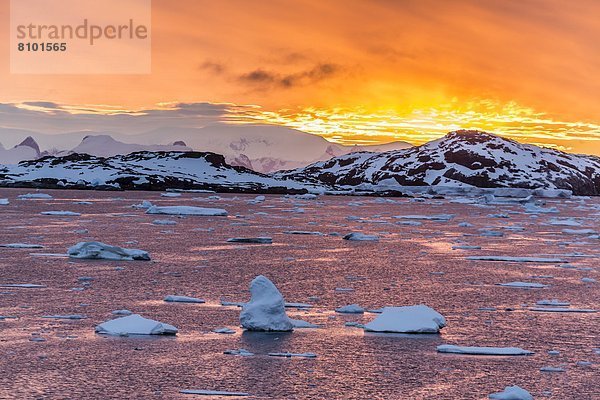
column 466, row 160
column 263, row 148
column 462, row 158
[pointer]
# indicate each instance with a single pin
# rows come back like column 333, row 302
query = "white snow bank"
column 182, row 299
column 484, row 351
column 512, row 393
column 102, row 251
column 266, row 309
column 409, row 319
column 359, row 236
column 187, row 210
column 135, row 324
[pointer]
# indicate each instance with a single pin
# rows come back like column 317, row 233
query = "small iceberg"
column 266, row 309
column 102, row 251
column 408, row 319
column 187, row 210
column 361, row 237
column 483, row 351
column 255, row 240
column 350, row 309
column 226, row 331
column 4, row 202
column 512, row 393
column 135, row 324
column 144, row 205
column 182, row 299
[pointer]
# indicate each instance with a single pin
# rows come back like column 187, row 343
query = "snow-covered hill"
column 145, row 171
column 461, row 158
column 106, row 146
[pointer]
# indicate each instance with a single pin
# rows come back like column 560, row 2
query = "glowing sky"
column 360, row 70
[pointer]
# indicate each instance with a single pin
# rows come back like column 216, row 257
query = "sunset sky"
column 353, row 71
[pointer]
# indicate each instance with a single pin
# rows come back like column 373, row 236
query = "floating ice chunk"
column 34, row 196
column 182, row 299
column 22, row 285
column 579, row 232
column 298, row 305
column 256, row 240
column 409, row 319
column 563, row 310
column 144, row 205
column 187, row 210
column 359, row 236
column 61, row 213
column 257, row 200
column 201, row 392
column 289, row 355
column 552, row 369
column 524, row 285
column 266, row 309
column 122, row 312
column 135, row 324
column 298, row 323
column 350, row 309
column 4, row 202
column 302, row 233
column 564, row 222
column 512, row 393
column 240, row 352
column 588, row 280
column 465, row 247
column 483, row 351
column 170, row 194
column 73, row 316
column 531, row 208
column 226, row 331
column 102, row 251
column 517, row 259
column 164, row 222
column 232, row 303
column 438, row 217
column 465, row 225
column 341, row 289
column 489, row 233
column 409, row 223
column 553, row 302
column 354, row 324
column 22, row 246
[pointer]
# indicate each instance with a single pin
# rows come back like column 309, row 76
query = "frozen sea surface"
column 63, row 358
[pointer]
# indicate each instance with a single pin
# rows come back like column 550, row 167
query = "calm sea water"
column 408, row 265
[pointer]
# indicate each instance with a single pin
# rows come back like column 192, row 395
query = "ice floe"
column 524, row 285
column 164, row 222
column 579, row 231
column 239, row 352
column 226, row 331
column 289, row 355
column 518, row 259
column 408, row 319
column 4, row 202
column 359, row 236
column 22, row 246
column 42, row 196
column 553, row 302
column 255, row 240
column 483, row 351
column 102, row 251
column 300, row 324
column 135, row 324
column 562, row 310
column 187, row 210
column 201, row 392
column 72, row 316
column 22, row 285
column 61, row 213
column 350, row 309
column 182, row 299
column 144, row 205
column 438, row 217
column 512, row 393
column 266, row 309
